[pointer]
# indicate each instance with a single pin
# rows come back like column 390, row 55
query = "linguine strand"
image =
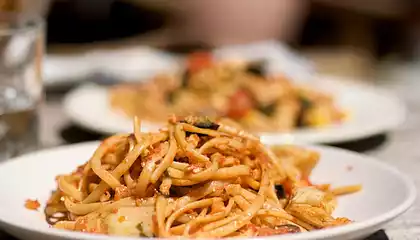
column 192, row 181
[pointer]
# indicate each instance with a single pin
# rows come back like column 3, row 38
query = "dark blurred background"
column 339, row 36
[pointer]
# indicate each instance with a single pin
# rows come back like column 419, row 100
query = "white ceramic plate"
column 386, row 192
column 371, row 111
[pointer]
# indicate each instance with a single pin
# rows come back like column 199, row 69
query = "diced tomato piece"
column 198, row 61
column 288, row 187
column 240, row 103
column 32, row 204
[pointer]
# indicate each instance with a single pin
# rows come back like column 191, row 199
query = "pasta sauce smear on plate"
column 195, row 178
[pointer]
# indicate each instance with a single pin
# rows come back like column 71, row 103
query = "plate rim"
column 333, row 232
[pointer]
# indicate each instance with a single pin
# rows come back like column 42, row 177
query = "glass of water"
column 21, row 92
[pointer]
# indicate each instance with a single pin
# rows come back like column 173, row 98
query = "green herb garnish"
column 268, row 110
column 305, row 105
column 141, row 231
column 256, row 68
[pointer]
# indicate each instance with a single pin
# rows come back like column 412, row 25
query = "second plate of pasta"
column 366, row 111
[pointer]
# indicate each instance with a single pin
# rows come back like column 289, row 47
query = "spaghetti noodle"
column 195, row 178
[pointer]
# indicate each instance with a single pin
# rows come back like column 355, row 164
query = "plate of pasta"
column 198, row 178
column 323, row 109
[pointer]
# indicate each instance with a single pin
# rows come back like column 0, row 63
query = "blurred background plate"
column 371, row 111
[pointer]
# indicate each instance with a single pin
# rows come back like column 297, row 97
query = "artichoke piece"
column 315, row 198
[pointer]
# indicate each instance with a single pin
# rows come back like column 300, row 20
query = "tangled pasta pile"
column 195, row 178
column 240, row 91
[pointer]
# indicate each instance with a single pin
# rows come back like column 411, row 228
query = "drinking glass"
column 21, row 92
